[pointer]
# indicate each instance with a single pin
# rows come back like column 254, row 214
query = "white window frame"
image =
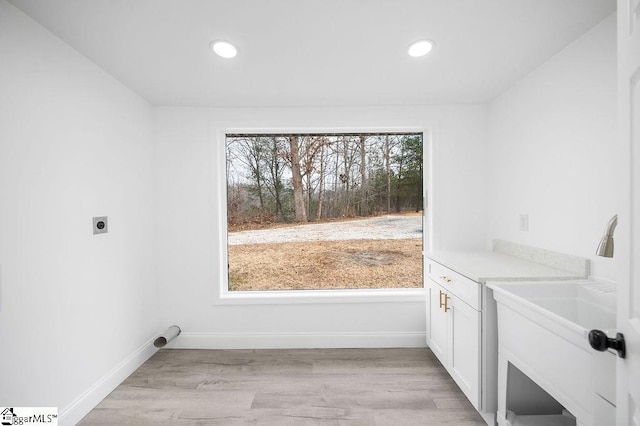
column 219, row 224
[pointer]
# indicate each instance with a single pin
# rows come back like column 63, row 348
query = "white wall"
column 74, row 144
column 550, row 151
column 188, row 209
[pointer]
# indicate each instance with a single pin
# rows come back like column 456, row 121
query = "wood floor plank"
column 288, row 387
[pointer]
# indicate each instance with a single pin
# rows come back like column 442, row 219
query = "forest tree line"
column 301, row 178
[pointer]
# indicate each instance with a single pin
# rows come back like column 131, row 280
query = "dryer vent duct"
column 168, row 335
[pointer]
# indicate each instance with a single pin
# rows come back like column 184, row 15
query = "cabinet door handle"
column 445, row 278
column 446, row 303
column 442, row 304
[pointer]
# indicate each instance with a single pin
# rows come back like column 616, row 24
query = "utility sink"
column 543, row 330
column 579, row 305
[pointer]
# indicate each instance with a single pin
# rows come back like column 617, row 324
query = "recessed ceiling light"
column 224, row 49
column 420, row 48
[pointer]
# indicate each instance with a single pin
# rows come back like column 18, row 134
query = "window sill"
column 318, row 297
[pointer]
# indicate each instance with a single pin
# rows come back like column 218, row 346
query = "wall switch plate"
column 524, row 222
column 100, row 225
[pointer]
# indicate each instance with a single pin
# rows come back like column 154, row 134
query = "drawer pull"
column 444, row 304
column 445, row 278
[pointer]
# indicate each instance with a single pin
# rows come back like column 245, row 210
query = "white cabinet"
column 453, row 329
column 437, row 326
column 465, row 337
column 464, row 349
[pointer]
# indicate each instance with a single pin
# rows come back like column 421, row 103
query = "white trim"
column 391, row 295
column 429, row 156
column 414, row 339
column 222, row 296
column 87, row 401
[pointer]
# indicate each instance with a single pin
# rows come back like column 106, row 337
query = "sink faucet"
column 605, row 248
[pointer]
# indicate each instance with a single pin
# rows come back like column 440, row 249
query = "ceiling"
column 317, row 52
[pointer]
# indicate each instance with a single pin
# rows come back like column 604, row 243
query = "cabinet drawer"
column 462, row 287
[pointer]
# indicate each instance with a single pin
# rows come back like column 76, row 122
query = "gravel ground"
column 376, row 228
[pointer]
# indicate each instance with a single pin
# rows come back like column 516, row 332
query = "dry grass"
column 326, row 265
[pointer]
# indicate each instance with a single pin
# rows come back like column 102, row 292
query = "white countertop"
column 483, row 266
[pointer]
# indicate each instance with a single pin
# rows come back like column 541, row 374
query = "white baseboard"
column 298, row 340
column 82, row 405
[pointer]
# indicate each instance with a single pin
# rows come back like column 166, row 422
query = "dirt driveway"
column 378, row 228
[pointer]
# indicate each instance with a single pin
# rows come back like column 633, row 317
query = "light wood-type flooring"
column 384, row 387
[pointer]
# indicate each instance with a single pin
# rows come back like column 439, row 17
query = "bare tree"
column 251, row 153
column 323, row 143
column 348, row 158
column 296, row 180
column 274, row 160
column 363, row 176
column 387, row 159
column 310, row 148
column 336, row 177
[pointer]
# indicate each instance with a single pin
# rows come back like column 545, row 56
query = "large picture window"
column 324, row 211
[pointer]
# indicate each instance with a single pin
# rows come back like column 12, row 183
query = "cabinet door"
column 436, row 322
column 464, row 348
